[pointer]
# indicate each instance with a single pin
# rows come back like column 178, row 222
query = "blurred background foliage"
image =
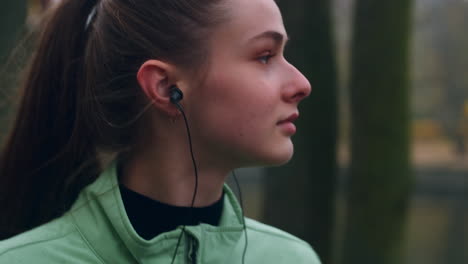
column 380, row 173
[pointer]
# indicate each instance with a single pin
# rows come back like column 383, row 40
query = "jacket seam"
column 33, row 243
column 224, row 229
column 299, row 241
column 88, row 244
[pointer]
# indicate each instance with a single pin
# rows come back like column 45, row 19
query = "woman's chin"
column 282, row 160
column 279, row 156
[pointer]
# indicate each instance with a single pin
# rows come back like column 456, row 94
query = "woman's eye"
column 265, row 59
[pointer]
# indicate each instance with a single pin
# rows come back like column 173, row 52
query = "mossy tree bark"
column 380, row 179
column 300, row 195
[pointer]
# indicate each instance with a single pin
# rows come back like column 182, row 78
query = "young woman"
column 108, row 77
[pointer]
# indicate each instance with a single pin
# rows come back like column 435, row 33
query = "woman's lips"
column 287, row 124
column 290, row 118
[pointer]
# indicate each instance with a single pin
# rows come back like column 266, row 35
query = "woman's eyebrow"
column 277, row 37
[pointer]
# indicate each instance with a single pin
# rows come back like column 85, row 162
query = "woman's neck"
column 169, row 177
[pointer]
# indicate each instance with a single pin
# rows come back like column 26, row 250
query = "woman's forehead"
column 250, row 18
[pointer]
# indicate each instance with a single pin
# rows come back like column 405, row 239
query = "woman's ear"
column 154, row 78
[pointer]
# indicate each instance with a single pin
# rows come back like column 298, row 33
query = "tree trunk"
column 300, row 195
column 380, row 179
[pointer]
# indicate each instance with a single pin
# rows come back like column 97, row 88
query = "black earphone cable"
column 196, row 176
column 195, row 168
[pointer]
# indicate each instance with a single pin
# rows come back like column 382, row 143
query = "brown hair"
column 80, row 96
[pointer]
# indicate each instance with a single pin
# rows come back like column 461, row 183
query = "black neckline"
column 150, row 218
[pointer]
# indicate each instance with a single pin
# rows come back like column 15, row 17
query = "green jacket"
column 97, row 230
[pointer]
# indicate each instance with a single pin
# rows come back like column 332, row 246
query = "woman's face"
column 239, row 115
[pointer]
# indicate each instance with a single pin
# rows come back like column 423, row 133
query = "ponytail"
column 49, row 155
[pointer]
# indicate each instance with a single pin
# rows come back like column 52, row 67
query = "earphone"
column 176, row 95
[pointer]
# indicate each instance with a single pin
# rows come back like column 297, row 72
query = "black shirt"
column 150, row 218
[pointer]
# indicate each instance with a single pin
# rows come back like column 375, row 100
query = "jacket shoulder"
column 280, row 245
column 58, row 241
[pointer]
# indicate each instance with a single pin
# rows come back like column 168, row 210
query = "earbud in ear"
column 175, row 94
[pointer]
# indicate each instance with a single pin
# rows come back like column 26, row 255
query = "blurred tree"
column 12, row 20
column 440, row 62
column 300, row 195
column 380, row 180
column 450, row 39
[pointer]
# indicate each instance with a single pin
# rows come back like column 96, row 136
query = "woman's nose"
column 298, row 86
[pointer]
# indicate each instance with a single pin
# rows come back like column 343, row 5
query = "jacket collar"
column 100, row 216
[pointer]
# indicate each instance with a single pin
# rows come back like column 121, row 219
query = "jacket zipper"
column 193, row 251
